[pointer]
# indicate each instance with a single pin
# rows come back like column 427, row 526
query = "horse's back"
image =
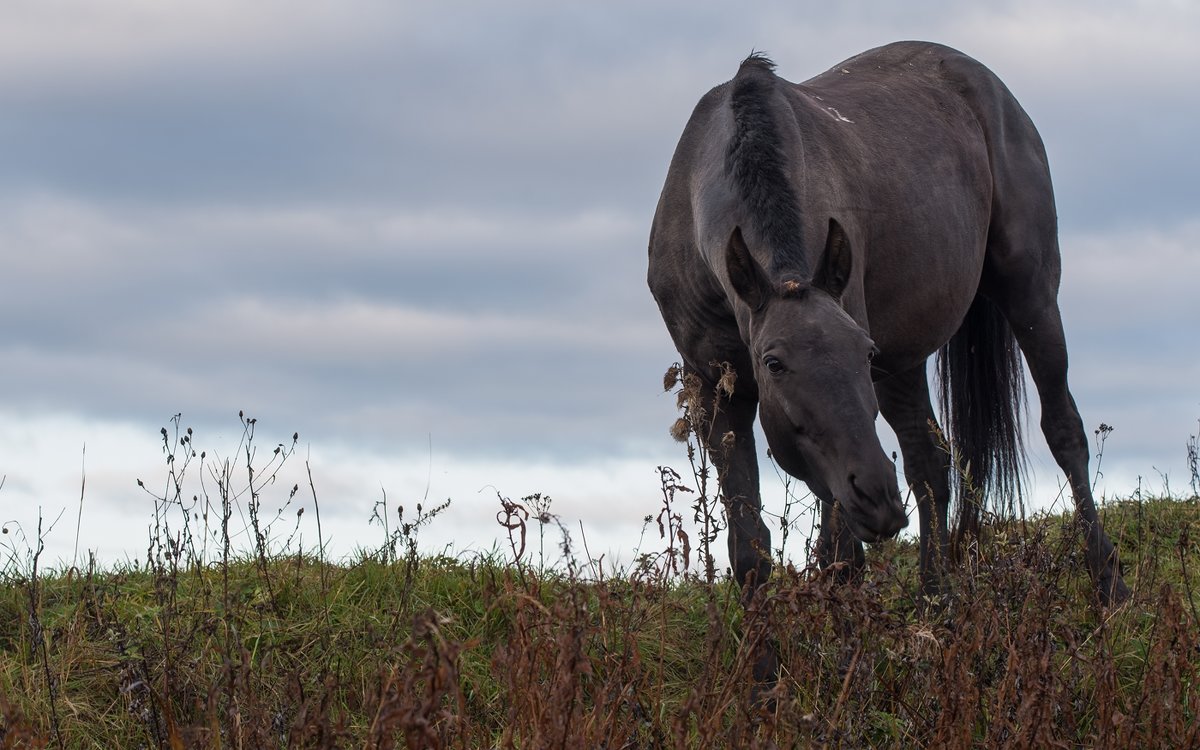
column 920, row 76
column 1022, row 222
column 925, row 64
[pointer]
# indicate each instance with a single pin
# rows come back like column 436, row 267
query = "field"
column 208, row 646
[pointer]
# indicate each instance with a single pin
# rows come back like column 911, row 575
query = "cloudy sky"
column 415, row 233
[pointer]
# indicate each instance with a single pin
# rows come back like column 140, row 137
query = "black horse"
column 824, row 239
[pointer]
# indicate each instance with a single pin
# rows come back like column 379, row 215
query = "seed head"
column 680, row 430
column 671, row 377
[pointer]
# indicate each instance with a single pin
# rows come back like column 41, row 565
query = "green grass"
column 208, row 646
column 479, row 652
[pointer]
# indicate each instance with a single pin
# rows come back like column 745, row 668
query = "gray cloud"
column 380, row 222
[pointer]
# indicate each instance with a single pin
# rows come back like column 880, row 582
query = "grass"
column 208, row 646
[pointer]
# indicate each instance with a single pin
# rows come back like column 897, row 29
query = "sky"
column 415, row 234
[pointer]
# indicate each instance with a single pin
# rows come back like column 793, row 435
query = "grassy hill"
column 265, row 650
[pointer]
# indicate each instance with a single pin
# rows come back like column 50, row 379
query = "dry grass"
column 272, row 647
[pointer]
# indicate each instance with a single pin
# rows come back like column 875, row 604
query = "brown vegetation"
column 281, row 649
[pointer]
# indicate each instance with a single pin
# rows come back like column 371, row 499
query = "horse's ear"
column 833, row 272
column 748, row 278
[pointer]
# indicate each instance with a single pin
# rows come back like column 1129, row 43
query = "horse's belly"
column 918, row 295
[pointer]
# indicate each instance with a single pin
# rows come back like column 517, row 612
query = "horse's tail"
column 982, row 399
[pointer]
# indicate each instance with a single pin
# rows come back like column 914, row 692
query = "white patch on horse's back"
column 838, row 115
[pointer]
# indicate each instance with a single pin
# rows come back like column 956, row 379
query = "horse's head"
column 817, row 404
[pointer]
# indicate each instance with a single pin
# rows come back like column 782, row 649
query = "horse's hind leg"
column 904, row 403
column 1040, row 335
column 1021, row 275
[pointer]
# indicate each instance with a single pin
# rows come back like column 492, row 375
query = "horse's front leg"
column 905, row 404
column 837, row 548
column 728, row 433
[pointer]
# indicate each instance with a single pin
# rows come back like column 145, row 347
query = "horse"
column 823, row 240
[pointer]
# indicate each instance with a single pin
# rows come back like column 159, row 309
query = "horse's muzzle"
column 873, row 516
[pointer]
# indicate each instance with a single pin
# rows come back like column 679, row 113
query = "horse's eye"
column 871, row 355
column 774, row 366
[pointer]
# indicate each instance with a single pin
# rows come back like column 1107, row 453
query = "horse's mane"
column 756, row 162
